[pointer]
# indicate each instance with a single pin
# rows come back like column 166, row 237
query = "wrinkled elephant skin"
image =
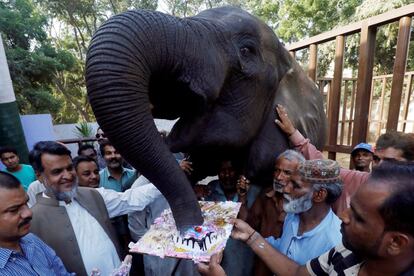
column 221, row 72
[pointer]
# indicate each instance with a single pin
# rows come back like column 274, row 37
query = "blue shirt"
column 312, row 243
column 217, row 193
column 36, row 259
column 26, row 175
column 108, row 182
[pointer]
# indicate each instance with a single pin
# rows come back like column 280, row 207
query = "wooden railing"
column 360, row 89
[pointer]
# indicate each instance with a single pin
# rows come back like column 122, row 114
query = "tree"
column 32, row 59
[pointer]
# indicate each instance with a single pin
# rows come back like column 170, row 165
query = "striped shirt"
column 340, row 261
column 36, row 259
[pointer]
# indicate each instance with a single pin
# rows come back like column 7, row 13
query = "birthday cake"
column 197, row 243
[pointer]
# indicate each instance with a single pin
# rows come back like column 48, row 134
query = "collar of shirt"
column 27, row 250
column 219, row 191
column 108, row 173
column 296, row 220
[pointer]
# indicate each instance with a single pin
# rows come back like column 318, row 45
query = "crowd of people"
column 64, row 216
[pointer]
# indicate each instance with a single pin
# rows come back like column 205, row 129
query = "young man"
column 22, row 253
column 87, row 171
column 362, row 155
column 73, row 220
column 23, row 172
column 378, row 232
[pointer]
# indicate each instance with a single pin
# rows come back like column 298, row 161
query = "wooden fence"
column 350, row 120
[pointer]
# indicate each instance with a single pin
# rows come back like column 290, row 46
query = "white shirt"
column 139, row 222
column 97, row 250
column 34, row 188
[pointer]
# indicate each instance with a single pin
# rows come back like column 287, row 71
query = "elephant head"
column 221, row 73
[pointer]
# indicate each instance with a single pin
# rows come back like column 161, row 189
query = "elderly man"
column 310, row 226
column 378, row 233
column 390, row 146
column 266, row 215
column 23, row 172
column 75, row 221
column 22, row 253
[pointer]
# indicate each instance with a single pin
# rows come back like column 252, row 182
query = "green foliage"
column 31, row 57
column 83, row 130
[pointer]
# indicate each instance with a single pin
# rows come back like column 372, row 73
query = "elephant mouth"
column 172, row 98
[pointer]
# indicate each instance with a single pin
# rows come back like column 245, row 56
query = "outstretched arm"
column 301, row 144
column 133, row 199
column 275, row 261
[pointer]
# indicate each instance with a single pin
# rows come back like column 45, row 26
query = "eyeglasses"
column 100, row 135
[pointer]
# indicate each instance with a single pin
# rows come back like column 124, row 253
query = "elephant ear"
column 303, row 102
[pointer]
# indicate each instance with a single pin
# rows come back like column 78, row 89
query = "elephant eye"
column 244, row 51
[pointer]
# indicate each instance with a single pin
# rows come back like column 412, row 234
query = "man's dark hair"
column 81, row 158
column 7, row 149
column 397, row 209
column 103, row 145
column 398, row 140
column 85, row 147
column 8, row 181
column 50, row 147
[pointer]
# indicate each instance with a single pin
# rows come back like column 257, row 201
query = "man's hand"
column 284, row 123
column 241, row 230
column 213, row 268
column 243, row 186
column 186, row 166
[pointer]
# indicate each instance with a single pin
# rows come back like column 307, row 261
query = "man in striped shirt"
column 377, row 232
column 22, row 253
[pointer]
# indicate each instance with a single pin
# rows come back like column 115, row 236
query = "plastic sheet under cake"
column 197, row 243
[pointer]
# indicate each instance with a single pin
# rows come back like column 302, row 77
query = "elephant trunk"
column 123, row 56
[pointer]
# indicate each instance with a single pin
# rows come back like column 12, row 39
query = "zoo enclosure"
column 350, row 119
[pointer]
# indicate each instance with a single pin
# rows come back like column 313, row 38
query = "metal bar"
column 313, row 56
column 365, row 67
column 400, row 63
column 335, row 101
column 373, row 22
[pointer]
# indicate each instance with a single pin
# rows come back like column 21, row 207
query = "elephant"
column 220, row 73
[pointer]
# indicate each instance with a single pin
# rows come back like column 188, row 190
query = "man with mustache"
column 378, row 232
column 266, row 215
column 310, row 227
column 115, row 176
column 22, row 253
column 75, row 221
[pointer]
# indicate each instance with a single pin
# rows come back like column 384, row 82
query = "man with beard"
column 115, row 176
column 22, row 253
column 75, row 221
column 266, row 215
column 378, row 232
column 362, row 156
column 310, row 226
